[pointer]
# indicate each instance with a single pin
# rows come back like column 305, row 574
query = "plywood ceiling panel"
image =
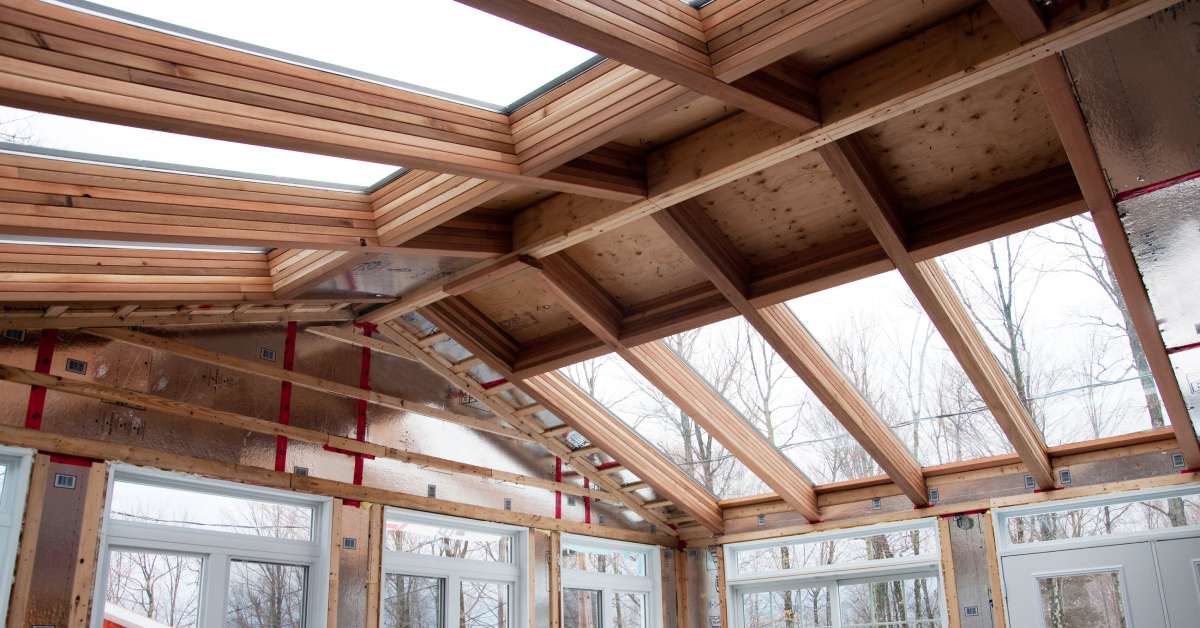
column 521, row 306
column 996, row 132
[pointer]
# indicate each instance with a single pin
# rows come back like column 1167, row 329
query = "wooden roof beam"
column 588, row 303
column 649, row 36
column 860, row 177
column 462, row 322
column 855, row 97
column 702, row 241
column 1068, row 119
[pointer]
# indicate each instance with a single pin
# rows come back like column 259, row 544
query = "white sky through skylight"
column 437, row 44
column 73, row 134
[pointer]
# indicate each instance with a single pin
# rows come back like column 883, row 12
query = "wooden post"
column 948, row 578
column 87, row 555
column 374, row 564
column 719, row 551
column 18, row 605
column 681, row 589
column 555, row 579
column 993, row 563
column 335, row 561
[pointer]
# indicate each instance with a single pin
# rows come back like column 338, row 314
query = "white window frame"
column 218, row 549
column 1001, row 517
column 19, row 463
column 454, row 570
column 835, row 575
column 610, row 584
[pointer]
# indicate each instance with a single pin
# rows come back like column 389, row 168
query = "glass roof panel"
column 615, row 384
column 739, row 364
column 138, row 246
column 887, row 347
column 75, row 139
column 1046, row 302
column 437, row 47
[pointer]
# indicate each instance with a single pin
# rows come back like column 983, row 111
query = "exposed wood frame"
column 853, row 97
column 861, row 179
column 335, row 562
column 250, row 367
column 554, row 579
column 710, row 250
column 375, row 532
column 646, row 36
column 588, row 303
column 132, row 398
column 995, row 588
column 31, row 525
column 87, row 552
column 949, row 577
column 483, row 340
column 96, row 449
column 1059, row 94
column 87, row 315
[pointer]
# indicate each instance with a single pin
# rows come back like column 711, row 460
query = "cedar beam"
column 588, row 303
column 859, row 176
column 702, row 241
column 670, row 48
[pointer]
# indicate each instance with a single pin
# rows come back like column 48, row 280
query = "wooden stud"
column 683, row 612
column 555, row 560
column 83, row 579
column 949, row 581
column 335, row 562
column 375, row 542
column 999, row 616
column 31, row 524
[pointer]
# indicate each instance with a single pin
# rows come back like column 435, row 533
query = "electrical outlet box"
column 507, row 503
column 1064, row 477
column 876, row 503
column 15, row 335
column 301, row 471
column 1029, row 483
column 935, row 495
column 266, row 354
column 1178, row 461
column 79, row 367
column 65, row 480
column 431, row 490
column 349, row 543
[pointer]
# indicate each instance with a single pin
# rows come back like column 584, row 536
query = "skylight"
column 739, row 364
column 136, row 246
column 1047, row 303
column 437, row 47
column 630, row 397
column 886, row 346
column 76, row 139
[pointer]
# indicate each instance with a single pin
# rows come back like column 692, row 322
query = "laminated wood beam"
column 710, row 250
column 855, row 97
column 643, row 35
column 501, row 407
column 271, row 428
column 588, row 303
column 861, row 179
column 310, row 382
column 172, row 317
column 108, row 450
column 1072, row 130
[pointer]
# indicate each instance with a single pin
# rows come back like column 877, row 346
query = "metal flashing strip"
column 158, row 166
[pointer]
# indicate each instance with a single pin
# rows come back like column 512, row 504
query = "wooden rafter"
column 702, row 241
column 588, row 303
column 1059, row 94
column 458, row 319
column 854, row 97
column 663, row 40
column 861, row 179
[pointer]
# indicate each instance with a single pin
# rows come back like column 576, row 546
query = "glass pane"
column 837, row 551
column 1092, row 521
column 142, row 586
column 630, row 397
column 137, row 246
column 266, row 595
column 446, row 541
column 412, row 601
column 629, row 610
column 886, row 346
column 902, row 603
column 178, row 153
column 581, row 608
column 1083, row 601
column 737, row 361
column 625, row 563
column 483, row 605
column 789, row 608
column 148, row 503
column 438, row 45
column 3, row 477
column 1047, row 303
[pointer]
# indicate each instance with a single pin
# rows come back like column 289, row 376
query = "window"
column 76, row 139
column 190, row 552
column 15, row 465
column 435, row 47
column 609, row 584
column 884, row 576
column 441, row 572
column 1093, row 520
